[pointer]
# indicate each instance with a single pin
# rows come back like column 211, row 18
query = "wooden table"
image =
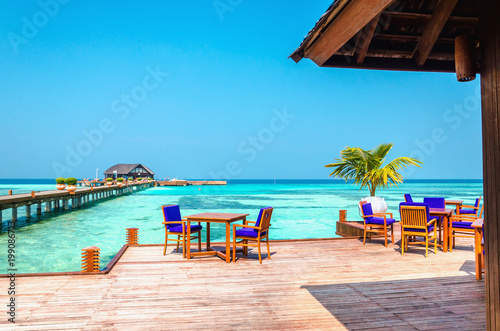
column 456, row 203
column 478, row 251
column 445, row 214
column 208, row 218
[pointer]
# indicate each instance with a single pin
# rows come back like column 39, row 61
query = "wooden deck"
column 308, row 285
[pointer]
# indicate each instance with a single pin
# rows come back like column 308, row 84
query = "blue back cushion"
column 172, row 214
column 408, row 198
column 435, row 202
column 416, row 204
column 260, row 216
column 367, row 209
column 477, row 203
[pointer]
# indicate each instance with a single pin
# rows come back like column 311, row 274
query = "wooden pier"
column 190, row 182
column 62, row 199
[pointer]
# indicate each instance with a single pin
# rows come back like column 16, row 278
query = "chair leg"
column 385, row 234
column 426, row 245
column 184, row 244
column 436, row 246
column 452, row 239
column 199, row 241
column 245, row 248
column 234, row 245
column 403, row 245
column 258, row 246
column 178, row 238
column 165, row 246
column 364, row 236
column 268, row 252
column 392, row 233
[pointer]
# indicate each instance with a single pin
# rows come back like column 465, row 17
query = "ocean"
column 303, row 209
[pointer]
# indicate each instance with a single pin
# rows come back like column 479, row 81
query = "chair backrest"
column 366, row 209
column 171, row 213
column 435, row 202
column 481, row 212
column 414, row 215
column 478, row 200
column 265, row 220
column 408, row 198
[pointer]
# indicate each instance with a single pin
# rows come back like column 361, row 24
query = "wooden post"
column 28, row 210
column 91, row 259
column 33, row 194
column 39, row 208
column 66, row 204
column 490, row 102
column 342, row 216
column 132, row 236
column 14, row 213
column 10, row 192
column 47, row 206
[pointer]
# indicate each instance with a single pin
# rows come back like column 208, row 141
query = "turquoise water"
column 302, row 209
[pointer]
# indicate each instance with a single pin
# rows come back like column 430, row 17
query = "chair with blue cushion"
column 470, row 210
column 416, row 222
column 408, row 198
column 253, row 233
column 461, row 226
column 175, row 225
column 377, row 223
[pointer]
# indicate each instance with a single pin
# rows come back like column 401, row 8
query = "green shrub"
column 71, row 181
column 109, row 179
column 130, row 179
column 150, row 178
column 60, row 180
column 119, row 179
column 139, row 179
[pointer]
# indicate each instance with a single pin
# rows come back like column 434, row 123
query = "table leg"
column 188, row 239
column 478, row 253
column 445, row 234
column 228, row 242
column 208, row 235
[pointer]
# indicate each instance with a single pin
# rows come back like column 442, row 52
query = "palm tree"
column 365, row 167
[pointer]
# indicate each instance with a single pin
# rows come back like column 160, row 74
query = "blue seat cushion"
column 467, row 211
column 429, row 229
column 246, row 232
column 462, row 225
column 380, row 220
column 178, row 228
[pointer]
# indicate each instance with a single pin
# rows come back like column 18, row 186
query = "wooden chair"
column 376, row 222
column 461, row 226
column 253, row 233
column 175, row 225
column 470, row 210
column 408, row 198
column 416, row 222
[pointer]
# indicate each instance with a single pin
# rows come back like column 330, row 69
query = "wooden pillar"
column 90, row 259
column 14, row 213
column 66, row 204
column 48, row 206
column 343, row 216
column 39, row 208
column 1, row 214
column 490, row 102
column 132, row 236
column 28, row 211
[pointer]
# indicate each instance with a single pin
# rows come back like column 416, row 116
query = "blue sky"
column 204, row 89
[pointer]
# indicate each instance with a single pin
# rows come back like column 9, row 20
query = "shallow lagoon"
column 302, row 209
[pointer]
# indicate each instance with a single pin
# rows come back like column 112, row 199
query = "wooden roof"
column 123, row 168
column 390, row 34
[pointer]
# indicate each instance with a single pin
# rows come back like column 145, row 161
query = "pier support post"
column 1, row 211
column 48, row 206
column 28, row 210
column 14, row 214
column 132, row 236
column 342, row 216
column 39, row 208
column 66, row 204
column 90, row 259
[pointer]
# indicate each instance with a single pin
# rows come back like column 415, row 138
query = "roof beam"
column 364, row 39
column 418, row 18
column 355, row 16
column 432, row 30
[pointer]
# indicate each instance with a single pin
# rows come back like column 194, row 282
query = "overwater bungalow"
column 129, row 171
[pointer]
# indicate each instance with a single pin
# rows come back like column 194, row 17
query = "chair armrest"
column 432, row 221
column 172, row 223
column 382, row 214
column 462, row 217
column 248, row 222
column 469, row 206
column 245, row 226
column 367, row 216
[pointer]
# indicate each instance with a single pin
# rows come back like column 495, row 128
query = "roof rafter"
column 432, row 30
column 364, row 39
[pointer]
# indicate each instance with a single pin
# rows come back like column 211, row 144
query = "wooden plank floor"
column 308, row 285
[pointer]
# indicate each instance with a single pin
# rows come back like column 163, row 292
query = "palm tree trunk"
column 372, row 190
